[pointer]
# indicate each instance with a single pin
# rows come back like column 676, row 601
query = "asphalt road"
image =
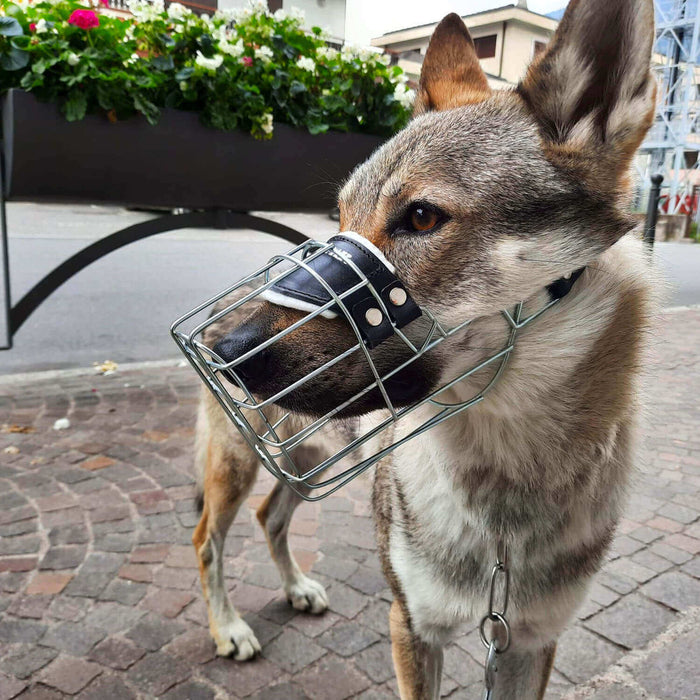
column 120, row 308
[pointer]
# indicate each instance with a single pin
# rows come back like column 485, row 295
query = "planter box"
column 178, row 163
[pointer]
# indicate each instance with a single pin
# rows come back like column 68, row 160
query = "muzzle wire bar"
column 281, row 434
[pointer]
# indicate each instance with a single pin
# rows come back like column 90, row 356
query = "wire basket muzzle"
column 346, row 278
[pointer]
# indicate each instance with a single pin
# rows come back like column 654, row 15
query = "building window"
column 485, row 46
column 538, row 47
column 274, row 5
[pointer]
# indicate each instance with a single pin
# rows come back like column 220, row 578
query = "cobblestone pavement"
column 100, row 597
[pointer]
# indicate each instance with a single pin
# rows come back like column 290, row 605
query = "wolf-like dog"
column 482, row 201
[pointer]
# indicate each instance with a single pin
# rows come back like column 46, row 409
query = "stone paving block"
column 10, row 687
column 367, row 580
column 279, row 611
column 191, row 690
column 76, row 533
column 196, row 646
column 74, row 638
column 646, row 534
column 63, row 557
column 152, row 632
column 669, row 673
column 376, row 662
column 631, row 622
column 69, row 675
column 117, row 653
column 339, row 568
column 293, row 651
column 673, row 554
column 67, row 608
column 12, row 630
column 345, row 600
column 582, row 655
column 157, row 672
column 27, row 544
column 332, row 679
column 107, row 687
column 14, row 563
column 113, row 617
column 30, row 606
column 124, row 592
column 674, row 589
column 247, row 677
column 622, row 568
column 167, row 603
column 618, row 691
column 652, row 561
column 348, row 638
column 26, row 660
column 692, row 567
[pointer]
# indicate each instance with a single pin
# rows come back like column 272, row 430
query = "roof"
column 498, row 14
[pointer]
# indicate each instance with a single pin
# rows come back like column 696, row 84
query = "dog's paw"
column 308, row 595
column 237, row 640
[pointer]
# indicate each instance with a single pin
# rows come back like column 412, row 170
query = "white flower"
column 264, row 53
column 41, row 26
column 327, row 52
column 306, row 63
column 73, row 59
column 297, row 14
column 384, row 59
column 258, row 7
column 183, row 85
column 178, row 11
column 234, row 50
column 266, row 124
column 404, row 96
column 209, row 63
column 280, row 15
column 205, row 18
column 146, row 10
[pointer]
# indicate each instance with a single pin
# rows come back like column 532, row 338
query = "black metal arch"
column 222, row 219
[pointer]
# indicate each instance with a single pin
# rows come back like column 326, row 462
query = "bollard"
column 653, row 210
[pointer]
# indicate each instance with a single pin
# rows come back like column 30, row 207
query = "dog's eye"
column 423, row 219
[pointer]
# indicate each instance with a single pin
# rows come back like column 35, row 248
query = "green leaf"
column 14, row 59
column 167, row 40
column 163, row 63
column 318, row 128
column 147, row 108
column 296, row 88
column 75, row 106
column 184, row 73
column 9, row 26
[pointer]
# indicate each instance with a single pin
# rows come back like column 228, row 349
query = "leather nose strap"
column 301, row 290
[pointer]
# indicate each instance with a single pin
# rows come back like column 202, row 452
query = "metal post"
column 653, row 210
column 5, row 300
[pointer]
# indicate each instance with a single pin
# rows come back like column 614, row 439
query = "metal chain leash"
column 494, row 642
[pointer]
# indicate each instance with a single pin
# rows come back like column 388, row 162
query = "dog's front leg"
column 523, row 675
column 418, row 665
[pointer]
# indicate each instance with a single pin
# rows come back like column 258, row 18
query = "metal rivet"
column 398, row 296
column 373, row 317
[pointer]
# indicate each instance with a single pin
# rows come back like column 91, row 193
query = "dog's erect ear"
column 592, row 88
column 451, row 75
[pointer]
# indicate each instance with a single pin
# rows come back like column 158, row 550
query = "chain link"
column 497, row 640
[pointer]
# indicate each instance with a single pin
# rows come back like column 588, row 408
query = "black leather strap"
column 333, row 267
column 561, row 287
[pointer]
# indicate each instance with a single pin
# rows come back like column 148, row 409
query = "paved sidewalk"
column 100, row 597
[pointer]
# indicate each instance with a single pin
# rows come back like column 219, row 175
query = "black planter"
column 178, row 163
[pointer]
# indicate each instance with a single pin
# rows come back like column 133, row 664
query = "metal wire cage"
column 276, row 435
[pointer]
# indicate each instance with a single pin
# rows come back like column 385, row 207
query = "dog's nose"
column 236, row 344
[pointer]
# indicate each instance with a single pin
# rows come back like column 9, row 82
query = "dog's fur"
column 532, row 184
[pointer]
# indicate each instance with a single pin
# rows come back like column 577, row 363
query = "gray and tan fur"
column 525, row 186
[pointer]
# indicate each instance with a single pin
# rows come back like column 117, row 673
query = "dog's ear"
column 592, row 90
column 451, row 75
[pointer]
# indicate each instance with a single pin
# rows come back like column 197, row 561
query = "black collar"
column 561, row 287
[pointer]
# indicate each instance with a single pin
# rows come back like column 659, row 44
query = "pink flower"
column 105, row 3
column 32, row 27
column 85, row 19
column 247, row 61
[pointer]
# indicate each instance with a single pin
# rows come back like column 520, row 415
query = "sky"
column 370, row 18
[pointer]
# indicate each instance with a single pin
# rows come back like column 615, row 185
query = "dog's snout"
column 236, row 344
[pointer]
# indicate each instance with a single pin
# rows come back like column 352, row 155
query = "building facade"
column 506, row 40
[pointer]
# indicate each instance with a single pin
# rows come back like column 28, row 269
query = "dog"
column 482, row 201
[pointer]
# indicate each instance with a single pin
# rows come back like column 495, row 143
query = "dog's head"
column 483, row 199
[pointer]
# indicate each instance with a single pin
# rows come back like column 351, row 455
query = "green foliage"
column 241, row 69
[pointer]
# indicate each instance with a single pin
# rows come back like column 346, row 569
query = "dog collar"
column 376, row 308
column 343, row 267
column 561, row 287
